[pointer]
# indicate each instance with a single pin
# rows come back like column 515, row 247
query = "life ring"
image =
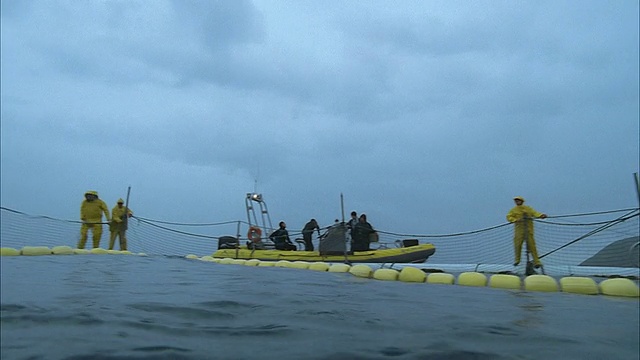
column 254, row 234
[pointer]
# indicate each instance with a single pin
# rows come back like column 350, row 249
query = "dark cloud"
column 221, row 25
column 427, row 116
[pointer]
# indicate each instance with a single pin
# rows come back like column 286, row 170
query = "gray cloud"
column 427, row 116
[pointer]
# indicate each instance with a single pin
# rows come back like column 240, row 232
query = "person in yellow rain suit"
column 91, row 215
column 522, row 216
column 118, row 225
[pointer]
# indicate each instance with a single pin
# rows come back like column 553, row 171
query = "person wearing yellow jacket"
column 91, row 215
column 118, row 225
column 523, row 215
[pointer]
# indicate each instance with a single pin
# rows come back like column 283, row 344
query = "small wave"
column 402, row 354
column 25, row 315
column 183, row 311
column 169, row 356
column 160, row 348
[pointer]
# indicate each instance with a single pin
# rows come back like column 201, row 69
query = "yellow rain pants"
column 122, row 234
column 96, row 230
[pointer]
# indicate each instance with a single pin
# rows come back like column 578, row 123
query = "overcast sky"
column 429, row 116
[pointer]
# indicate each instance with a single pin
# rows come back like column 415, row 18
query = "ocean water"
column 156, row 307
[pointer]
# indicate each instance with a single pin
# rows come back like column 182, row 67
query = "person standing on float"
column 91, row 211
column 522, row 216
column 118, row 225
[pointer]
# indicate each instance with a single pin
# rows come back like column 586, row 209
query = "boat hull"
column 412, row 254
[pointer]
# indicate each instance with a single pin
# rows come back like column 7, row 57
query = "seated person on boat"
column 281, row 238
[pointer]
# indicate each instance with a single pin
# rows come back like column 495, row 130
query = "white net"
column 561, row 240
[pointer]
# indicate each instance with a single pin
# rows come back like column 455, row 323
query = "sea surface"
column 156, row 307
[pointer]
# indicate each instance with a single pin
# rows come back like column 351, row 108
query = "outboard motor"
column 228, row 242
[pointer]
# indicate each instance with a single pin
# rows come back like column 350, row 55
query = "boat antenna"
column 346, row 257
column 342, row 205
column 255, row 180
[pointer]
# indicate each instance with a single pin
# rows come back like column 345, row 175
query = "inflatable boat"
column 332, row 248
column 333, row 244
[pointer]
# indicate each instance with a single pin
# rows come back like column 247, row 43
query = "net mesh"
column 558, row 241
column 561, row 240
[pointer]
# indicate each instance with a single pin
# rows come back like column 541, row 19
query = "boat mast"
column 125, row 221
column 342, row 205
column 635, row 177
column 346, row 252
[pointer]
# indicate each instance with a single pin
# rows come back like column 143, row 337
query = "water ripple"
column 25, row 316
column 104, row 308
column 184, row 312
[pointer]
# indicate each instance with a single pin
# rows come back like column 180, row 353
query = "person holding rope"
column 91, row 211
column 521, row 215
column 118, row 225
column 307, row 234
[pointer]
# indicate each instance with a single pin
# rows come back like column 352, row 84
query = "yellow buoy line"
column 59, row 250
column 573, row 284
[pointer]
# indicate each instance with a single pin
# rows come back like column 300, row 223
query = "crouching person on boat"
column 91, row 211
column 281, row 238
column 118, row 225
column 360, row 234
